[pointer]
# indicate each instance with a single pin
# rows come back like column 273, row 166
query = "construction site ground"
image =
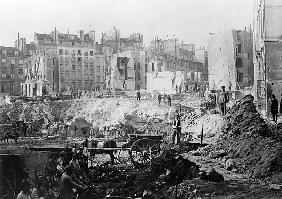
column 231, row 141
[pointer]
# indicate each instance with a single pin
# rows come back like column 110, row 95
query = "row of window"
column 12, row 70
column 9, row 88
column 74, row 52
column 11, row 76
column 73, row 76
column 80, row 59
column 12, row 61
column 79, row 67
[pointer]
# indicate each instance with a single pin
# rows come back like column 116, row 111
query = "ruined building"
column 126, row 69
column 267, row 51
column 172, row 67
column 11, row 70
column 72, row 62
column 230, row 60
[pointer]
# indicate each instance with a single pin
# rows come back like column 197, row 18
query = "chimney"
column 81, row 35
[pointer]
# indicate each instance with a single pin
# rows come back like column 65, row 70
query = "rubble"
column 249, row 141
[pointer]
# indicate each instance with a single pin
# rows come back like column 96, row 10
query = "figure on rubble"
column 176, row 126
column 138, row 95
column 159, row 98
column 169, row 100
column 274, row 108
column 222, row 100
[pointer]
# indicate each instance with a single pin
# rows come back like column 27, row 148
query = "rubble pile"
column 249, row 141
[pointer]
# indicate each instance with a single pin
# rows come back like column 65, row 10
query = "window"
column 66, row 52
column 3, row 60
column 240, row 77
column 73, row 67
column 79, row 59
column 98, row 78
column 86, row 67
column 139, row 66
column 91, row 53
column 67, row 76
column 20, row 71
column 146, row 68
column 98, row 59
column 86, row 53
column 238, row 62
column 12, row 76
column 72, row 43
column 16, row 53
column 91, row 75
column 61, row 51
column 20, row 61
column 73, row 52
column 79, row 52
column 98, row 69
column 53, row 74
column 153, row 66
column 134, row 66
column 53, row 61
column 12, row 71
column 239, row 48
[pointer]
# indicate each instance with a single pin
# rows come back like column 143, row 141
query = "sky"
column 189, row 20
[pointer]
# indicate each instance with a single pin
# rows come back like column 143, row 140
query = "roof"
column 43, row 36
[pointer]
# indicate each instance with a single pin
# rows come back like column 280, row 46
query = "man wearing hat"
column 176, row 129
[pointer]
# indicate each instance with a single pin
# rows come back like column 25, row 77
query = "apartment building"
column 11, row 70
column 230, row 60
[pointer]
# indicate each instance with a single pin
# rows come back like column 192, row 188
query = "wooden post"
column 202, row 134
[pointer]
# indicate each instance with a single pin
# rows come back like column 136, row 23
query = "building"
column 230, row 60
column 122, row 72
column 267, row 51
column 201, row 55
column 11, row 70
column 71, row 61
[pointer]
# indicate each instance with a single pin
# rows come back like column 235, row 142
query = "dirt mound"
column 248, row 139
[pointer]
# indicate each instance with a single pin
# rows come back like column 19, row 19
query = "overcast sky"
column 189, row 20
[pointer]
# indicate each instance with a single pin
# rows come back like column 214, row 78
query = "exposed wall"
column 221, row 61
column 273, row 17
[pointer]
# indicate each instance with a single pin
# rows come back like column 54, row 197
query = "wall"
column 273, row 58
column 166, row 81
column 221, row 61
column 273, row 16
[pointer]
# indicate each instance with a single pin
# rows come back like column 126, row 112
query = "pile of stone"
column 248, row 140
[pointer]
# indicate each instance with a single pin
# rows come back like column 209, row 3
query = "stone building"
column 267, row 51
column 35, row 75
column 230, row 60
column 70, row 60
column 11, row 70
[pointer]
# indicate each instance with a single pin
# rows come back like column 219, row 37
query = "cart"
column 144, row 148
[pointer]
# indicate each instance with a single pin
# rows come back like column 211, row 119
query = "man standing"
column 138, row 95
column 222, row 100
column 176, row 129
column 169, row 100
column 67, row 185
column 159, row 98
column 274, row 108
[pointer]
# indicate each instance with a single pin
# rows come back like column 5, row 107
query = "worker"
column 274, row 108
column 24, row 193
column 169, row 100
column 67, row 184
column 138, row 95
column 176, row 129
column 222, row 100
column 159, row 98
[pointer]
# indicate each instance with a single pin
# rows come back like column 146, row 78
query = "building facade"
column 11, row 70
column 72, row 61
column 267, row 51
column 230, row 60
